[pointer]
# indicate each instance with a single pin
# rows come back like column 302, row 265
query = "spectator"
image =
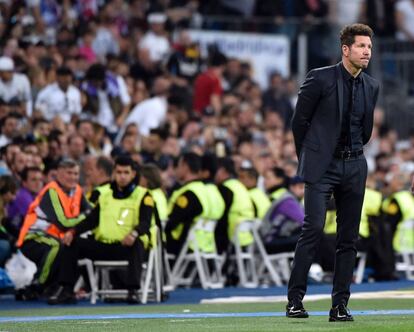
column 282, row 224
column 32, row 183
column 155, row 40
column 207, row 85
column 276, row 100
column 105, row 102
column 8, row 189
column 404, row 19
column 151, row 113
column 61, row 98
column 15, row 86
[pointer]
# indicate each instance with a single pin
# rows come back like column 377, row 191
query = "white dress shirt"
column 18, row 87
column 52, row 101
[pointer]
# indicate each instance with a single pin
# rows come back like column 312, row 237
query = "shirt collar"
column 347, row 76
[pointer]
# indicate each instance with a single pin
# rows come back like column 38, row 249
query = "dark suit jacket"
column 316, row 122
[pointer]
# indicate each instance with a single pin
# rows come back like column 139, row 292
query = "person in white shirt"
column 61, row 98
column 149, row 113
column 155, row 40
column 14, row 85
column 107, row 100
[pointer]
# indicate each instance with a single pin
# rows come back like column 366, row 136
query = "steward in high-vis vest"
column 239, row 206
column 123, row 214
column 186, row 204
column 399, row 213
column 99, row 175
column 215, row 200
column 275, row 181
column 261, row 202
column 57, row 208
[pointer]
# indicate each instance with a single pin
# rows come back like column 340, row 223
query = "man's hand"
column 67, row 238
column 129, row 240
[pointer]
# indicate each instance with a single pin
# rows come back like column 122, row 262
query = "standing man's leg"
column 317, row 196
column 349, row 198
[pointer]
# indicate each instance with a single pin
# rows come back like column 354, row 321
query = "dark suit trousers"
column 89, row 248
column 345, row 179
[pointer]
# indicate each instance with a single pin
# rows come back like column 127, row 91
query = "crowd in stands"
column 86, row 84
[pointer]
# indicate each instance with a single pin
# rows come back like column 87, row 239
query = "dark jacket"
column 316, row 122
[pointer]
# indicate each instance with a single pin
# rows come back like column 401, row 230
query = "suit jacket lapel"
column 367, row 93
column 340, row 87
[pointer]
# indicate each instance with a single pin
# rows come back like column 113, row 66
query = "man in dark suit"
column 332, row 121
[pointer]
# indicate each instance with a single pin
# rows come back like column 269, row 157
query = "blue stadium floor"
column 196, row 295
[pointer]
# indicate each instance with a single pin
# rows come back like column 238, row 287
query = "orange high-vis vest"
column 70, row 205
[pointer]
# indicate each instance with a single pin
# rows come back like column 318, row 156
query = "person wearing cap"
column 248, row 175
column 283, row 221
column 61, row 98
column 15, row 86
column 58, row 207
column 155, row 40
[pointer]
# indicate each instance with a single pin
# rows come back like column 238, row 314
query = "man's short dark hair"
column 25, row 172
column 125, row 160
column 193, row 161
column 152, row 174
column 280, row 173
column 209, row 163
column 349, row 32
column 250, row 171
column 7, row 184
column 64, row 71
column 228, row 164
column 105, row 164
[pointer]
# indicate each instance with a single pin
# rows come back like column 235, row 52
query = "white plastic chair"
column 192, row 261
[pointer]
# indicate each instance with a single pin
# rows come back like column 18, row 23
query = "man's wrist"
column 134, row 233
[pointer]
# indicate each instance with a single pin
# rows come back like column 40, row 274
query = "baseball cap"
column 157, row 18
column 6, row 64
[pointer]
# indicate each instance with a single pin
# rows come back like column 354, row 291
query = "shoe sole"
column 332, row 319
column 301, row 315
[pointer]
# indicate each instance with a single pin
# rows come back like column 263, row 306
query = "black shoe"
column 133, row 297
column 340, row 313
column 27, row 294
column 63, row 295
column 295, row 309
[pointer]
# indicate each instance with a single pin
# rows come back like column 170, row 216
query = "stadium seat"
column 192, row 261
column 245, row 256
column 98, row 275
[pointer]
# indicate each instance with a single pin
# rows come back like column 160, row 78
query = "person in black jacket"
column 332, row 122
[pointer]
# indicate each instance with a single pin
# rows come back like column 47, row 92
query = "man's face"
column 298, row 190
column 6, row 76
column 248, row 180
column 76, row 147
column 34, row 182
column 359, row 53
column 181, row 170
column 153, row 143
column 123, row 175
column 68, row 177
column 10, row 127
column 64, row 81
